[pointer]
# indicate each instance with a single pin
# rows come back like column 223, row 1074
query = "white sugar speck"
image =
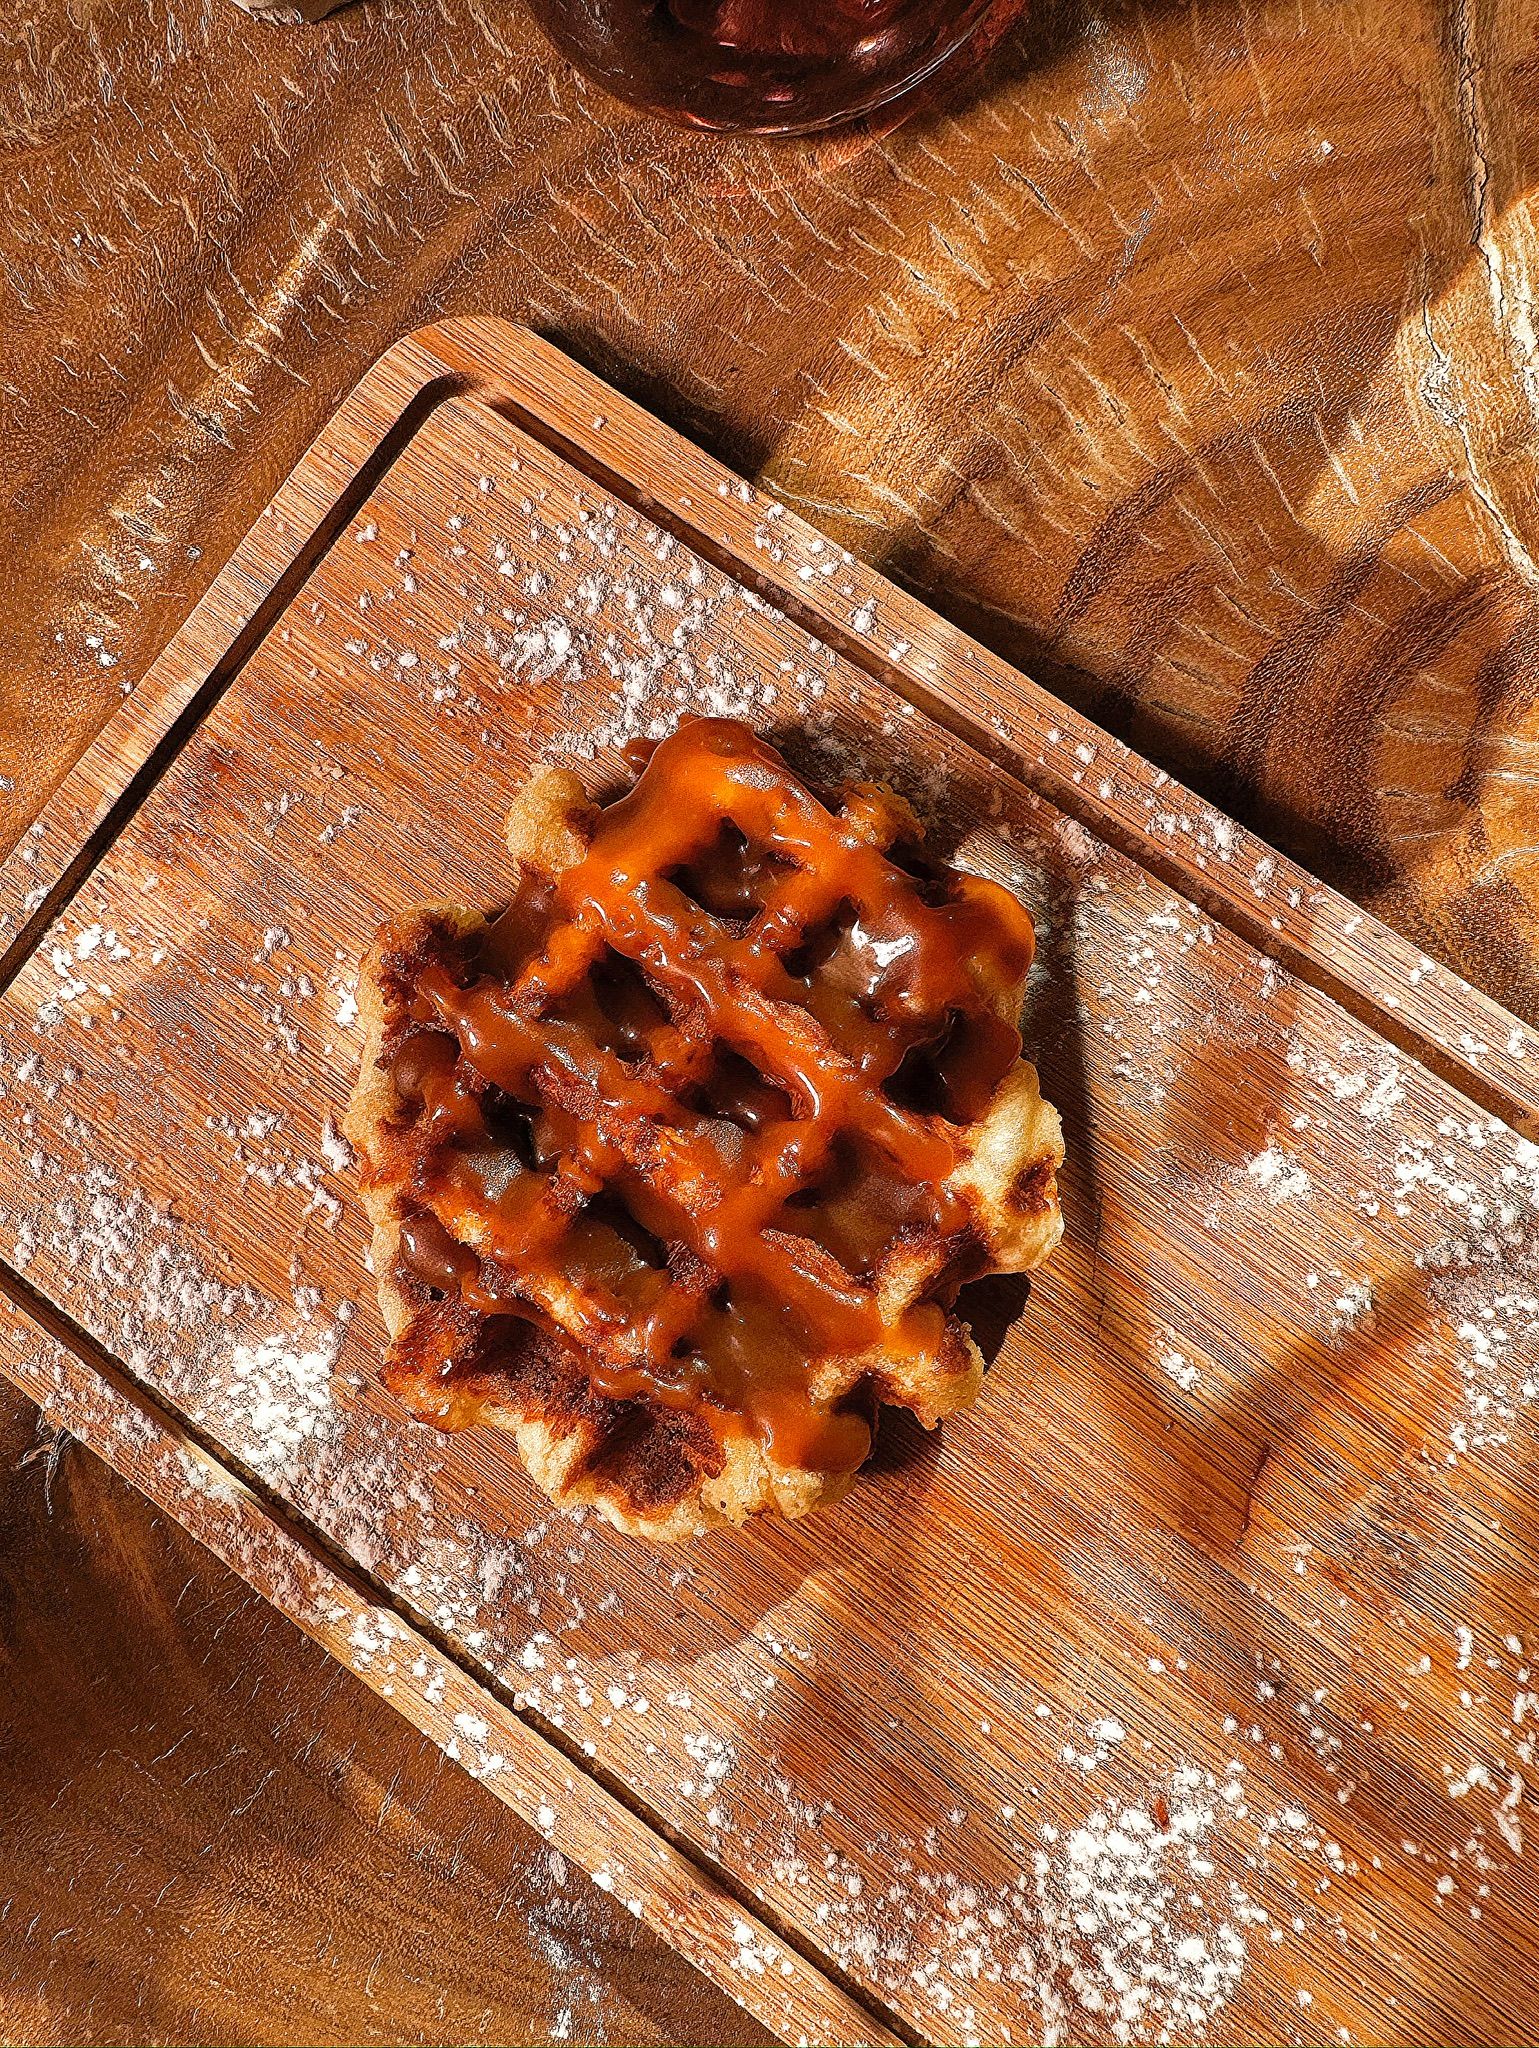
column 335, row 1149
column 1283, row 1179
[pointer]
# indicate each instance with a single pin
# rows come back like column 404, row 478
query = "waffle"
column 675, row 1166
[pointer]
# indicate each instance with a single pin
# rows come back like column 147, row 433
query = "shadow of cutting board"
column 1180, row 1690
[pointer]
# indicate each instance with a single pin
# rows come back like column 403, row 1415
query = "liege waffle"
column 675, row 1167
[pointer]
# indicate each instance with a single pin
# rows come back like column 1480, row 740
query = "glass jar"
column 775, row 66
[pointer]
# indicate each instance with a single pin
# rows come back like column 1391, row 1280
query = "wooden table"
column 1189, row 363
column 213, row 1834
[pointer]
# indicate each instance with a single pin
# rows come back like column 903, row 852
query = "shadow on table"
column 195, row 1796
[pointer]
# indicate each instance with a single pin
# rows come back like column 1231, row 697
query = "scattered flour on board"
column 221, row 1350
column 1139, row 1913
column 639, row 608
column 279, row 1398
column 1280, row 1176
column 1134, row 1911
column 1176, row 1366
column 1136, row 1922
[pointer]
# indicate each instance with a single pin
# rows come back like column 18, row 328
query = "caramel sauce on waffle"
column 684, row 1102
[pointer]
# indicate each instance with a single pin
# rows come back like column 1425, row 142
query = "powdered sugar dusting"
column 1137, row 1921
column 1064, row 1807
column 223, row 1348
column 1176, row 1366
column 283, row 1394
column 1280, row 1177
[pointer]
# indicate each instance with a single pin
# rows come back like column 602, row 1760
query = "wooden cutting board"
column 1184, row 1688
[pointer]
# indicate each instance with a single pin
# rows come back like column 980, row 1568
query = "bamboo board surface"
column 1182, row 1689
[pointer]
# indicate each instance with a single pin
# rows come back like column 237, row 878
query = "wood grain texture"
column 471, row 1728
column 215, row 1834
column 1189, row 362
column 1217, row 1611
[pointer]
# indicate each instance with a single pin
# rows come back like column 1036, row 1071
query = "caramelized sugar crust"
column 675, row 1167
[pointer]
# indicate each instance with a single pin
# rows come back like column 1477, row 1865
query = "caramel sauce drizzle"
column 683, row 1102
